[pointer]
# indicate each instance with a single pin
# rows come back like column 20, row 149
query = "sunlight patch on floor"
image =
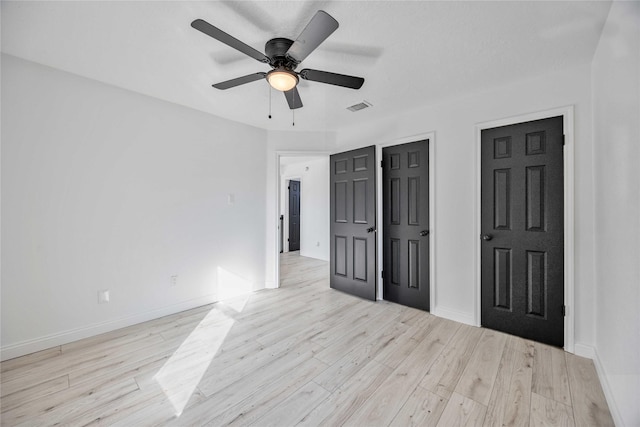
column 231, row 285
column 180, row 376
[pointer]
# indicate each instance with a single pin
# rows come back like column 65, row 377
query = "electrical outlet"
column 173, row 281
column 103, row 296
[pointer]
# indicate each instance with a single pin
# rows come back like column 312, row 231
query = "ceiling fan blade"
column 332, row 78
column 218, row 34
column 293, row 98
column 321, row 26
column 239, row 81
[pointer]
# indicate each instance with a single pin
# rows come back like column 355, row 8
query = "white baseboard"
column 42, row 343
column 457, row 316
column 606, row 388
column 584, row 350
column 590, row 352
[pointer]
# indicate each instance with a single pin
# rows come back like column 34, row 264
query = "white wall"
column 103, row 188
column 455, row 180
column 314, row 205
column 616, row 124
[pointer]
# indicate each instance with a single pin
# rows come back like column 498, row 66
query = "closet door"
column 353, row 222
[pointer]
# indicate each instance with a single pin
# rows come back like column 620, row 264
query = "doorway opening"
column 302, row 206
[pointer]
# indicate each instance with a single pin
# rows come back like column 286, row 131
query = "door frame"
column 567, row 114
column 276, row 209
column 431, row 136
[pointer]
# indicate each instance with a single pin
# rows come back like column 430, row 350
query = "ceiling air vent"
column 360, row 106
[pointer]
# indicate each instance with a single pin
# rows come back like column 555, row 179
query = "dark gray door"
column 523, row 230
column 405, row 189
column 353, row 222
column 294, row 215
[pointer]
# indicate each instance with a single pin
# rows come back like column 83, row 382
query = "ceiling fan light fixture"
column 282, row 79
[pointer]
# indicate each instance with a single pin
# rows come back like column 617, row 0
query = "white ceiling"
column 409, row 52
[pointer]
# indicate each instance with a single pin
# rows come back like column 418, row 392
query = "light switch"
column 103, row 296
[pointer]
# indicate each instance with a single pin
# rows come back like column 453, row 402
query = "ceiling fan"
column 284, row 56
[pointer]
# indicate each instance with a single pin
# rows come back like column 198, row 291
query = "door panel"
column 405, row 178
column 522, row 255
column 353, row 221
column 294, row 215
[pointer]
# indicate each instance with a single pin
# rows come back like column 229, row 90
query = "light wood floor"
column 302, row 354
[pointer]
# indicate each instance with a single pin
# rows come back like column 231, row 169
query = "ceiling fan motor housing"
column 276, row 49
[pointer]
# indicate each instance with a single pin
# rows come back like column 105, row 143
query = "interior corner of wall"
column 455, row 315
column 584, row 350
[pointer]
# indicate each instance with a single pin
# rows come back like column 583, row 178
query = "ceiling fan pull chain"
column 269, row 101
column 293, row 115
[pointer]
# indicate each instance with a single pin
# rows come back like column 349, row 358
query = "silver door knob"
column 487, row 237
column 424, row 233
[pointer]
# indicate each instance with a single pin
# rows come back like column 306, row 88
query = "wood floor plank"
column 550, row 376
column 500, row 394
column 478, row 377
column 548, row 412
column 411, row 316
column 444, row 374
column 149, row 406
column 34, row 392
column 517, row 411
column 72, row 412
column 423, row 408
column 351, row 340
column 344, row 401
column 294, row 408
column 280, row 334
column 118, row 338
column 589, row 404
column 268, row 397
column 520, row 344
column 462, row 412
column 393, row 355
column 29, row 359
column 353, row 361
column 347, row 323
